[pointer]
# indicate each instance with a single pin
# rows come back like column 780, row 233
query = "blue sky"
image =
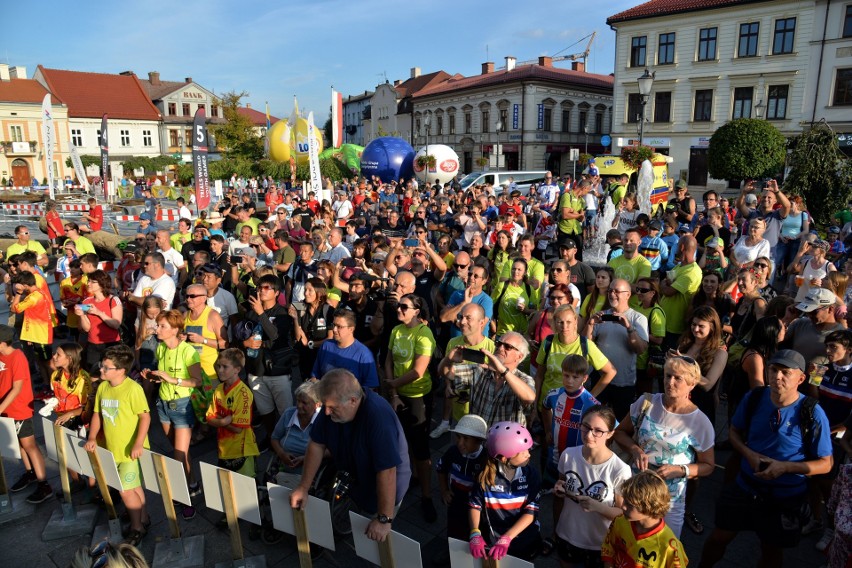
column 299, row 48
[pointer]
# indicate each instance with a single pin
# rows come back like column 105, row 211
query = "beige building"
column 21, row 145
column 713, row 62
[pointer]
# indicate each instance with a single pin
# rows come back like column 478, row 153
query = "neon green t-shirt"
column 507, row 314
column 84, row 246
column 252, row 222
column 179, row 239
column 558, row 351
column 535, row 271
column 631, row 270
column 656, row 326
column 176, row 362
column 405, row 344
column 18, row 248
column 599, row 304
column 120, row 408
column 571, row 226
column 687, row 281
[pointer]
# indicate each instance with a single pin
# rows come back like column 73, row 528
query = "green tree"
column 86, row 160
column 326, row 131
column 819, row 172
column 746, row 148
column 236, row 136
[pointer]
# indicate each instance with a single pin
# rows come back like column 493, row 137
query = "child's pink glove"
column 500, row 549
column 477, row 546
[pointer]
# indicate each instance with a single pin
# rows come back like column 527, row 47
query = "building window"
column 707, row 44
column 666, row 52
column 749, row 35
column 742, row 102
column 842, row 88
column 486, row 117
column 147, row 140
column 440, row 125
column 776, row 105
column 785, row 33
column 504, row 118
column 16, row 134
column 187, row 137
column 703, row 105
column 125, row 138
column 847, row 22
column 638, row 46
column 663, row 107
column 77, row 137
column 599, row 123
column 452, row 118
column 548, row 119
column 172, row 109
column 214, row 111
column 634, row 107
column 468, row 121
column 173, row 139
column 566, row 121
column 186, row 111
column 584, row 117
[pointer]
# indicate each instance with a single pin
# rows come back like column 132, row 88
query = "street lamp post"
column 646, row 81
column 180, row 143
column 498, row 150
column 586, row 135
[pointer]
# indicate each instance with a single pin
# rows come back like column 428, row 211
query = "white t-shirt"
column 184, row 212
column 551, row 191
column 163, row 287
column 744, row 253
column 591, row 201
column 342, row 209
column 225, row 305
column 174, row 262
column 588, row 530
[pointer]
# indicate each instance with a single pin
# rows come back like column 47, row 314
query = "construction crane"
column 572, row 57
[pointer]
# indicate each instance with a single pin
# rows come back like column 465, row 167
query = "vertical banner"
column 199, row 161
column 105, row 157
column 288, row 139
column 48, row 137
column 268, row 126
column 515, row 114
column 313, row 156
column 78, row 168
column 336, row 119
column 541, row 117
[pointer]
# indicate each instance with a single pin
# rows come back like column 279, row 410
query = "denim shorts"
column 177, row 412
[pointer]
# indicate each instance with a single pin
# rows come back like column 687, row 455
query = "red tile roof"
column 523, row 72
column 656, row 8
column 91, row 95
column 157, row 92
column 257, row 117
column 23, row 91
column 410, row 87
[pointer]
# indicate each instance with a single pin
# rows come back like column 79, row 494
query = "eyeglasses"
column 265, row 287
column 196, row 295
column 104, row 368
column 686, row 358
column 403, row 308
column 618, row 291
column 593, row 431
column 643, row 290
column 761, row 265
column 506, row 346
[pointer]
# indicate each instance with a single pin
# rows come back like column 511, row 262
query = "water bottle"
column 256, row 336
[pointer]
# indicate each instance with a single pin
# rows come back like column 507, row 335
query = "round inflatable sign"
column 388, row 158
column 444, row 169
column 296, row 145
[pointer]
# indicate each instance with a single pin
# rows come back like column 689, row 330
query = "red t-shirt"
column 55, row 228
column 97, row 212
column 14, row 367
column 100, row 332
column 313, row 205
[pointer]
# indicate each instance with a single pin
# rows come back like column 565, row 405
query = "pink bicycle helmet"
column 508, row 439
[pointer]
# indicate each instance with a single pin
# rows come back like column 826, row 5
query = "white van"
column 523, row 180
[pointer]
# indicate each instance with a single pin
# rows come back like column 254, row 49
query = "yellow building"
column 21, row 145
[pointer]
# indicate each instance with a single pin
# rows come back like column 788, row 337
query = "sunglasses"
column 642, row 290
column 686, row 358
column 461, row 266
column 760, row 265
column 506, row 346
column 196, row 295
column 403, row 308
column 265, row 287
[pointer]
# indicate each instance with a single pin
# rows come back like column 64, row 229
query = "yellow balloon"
column 297, row 145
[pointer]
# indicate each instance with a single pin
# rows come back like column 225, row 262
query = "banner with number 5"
column 199, row 161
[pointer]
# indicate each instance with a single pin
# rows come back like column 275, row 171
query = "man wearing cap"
column 593, row 168
column 807, row 334
column 581, row 274
column 769, row 495
column 684, row 204
column 145, row 227
column 342, row 207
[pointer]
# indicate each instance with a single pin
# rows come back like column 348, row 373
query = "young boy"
column 653, row 247
column 16, row 402
column 230, row 413
column 561, row 415
column 121, row 411
column 641, row 533
column 671, row 239
column 72, row 290
column 613, row 239
column 37, row 330
column 458, row 471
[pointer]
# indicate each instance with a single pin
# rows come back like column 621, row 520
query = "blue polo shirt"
column 356, row 358
column 483, row 300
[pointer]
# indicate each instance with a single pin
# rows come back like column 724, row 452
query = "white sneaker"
column 813, row 526
column 440, row 430
column 827, row 537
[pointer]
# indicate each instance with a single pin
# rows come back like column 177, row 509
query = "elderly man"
column 783, row 437
column 472, row 321
column 622, row 333
column 22, row 233
column 343, row 351
column 364, row 437
column 338, row 250
column 155, row 282
column 677, row 290
column 499, row 392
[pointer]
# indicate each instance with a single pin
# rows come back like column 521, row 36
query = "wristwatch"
column 310, row 344
column 384, row 519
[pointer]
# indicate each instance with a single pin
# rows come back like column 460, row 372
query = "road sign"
column 606, row 140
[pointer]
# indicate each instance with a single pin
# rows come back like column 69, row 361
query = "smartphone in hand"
column 473, row 355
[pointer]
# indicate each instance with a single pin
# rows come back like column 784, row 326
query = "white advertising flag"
column 48, row 137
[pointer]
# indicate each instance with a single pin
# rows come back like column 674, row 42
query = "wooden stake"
column 166, row 493
column 303, row 543
column 386, row 553
column 230, row 506
column 59, row 436
column 102, row 484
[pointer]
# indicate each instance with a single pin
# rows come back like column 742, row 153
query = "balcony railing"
column 18, row 148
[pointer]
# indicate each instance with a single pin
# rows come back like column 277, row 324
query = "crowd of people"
column 332, row 332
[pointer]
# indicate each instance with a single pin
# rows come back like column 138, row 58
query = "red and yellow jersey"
column 71, row 290
column 234, row 401
column 38, row 321
column 70, row 397
column 657, row 548
column 45, row 290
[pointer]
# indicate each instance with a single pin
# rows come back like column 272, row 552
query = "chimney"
column 545, row 61
column 154, row 77
column 578, row 66
column 487, row 67
column 4, row 72
column 188, row 80
column 248, row 105
column 510, row 62
column 396, row 83
column 18, row 72
column 415, row 72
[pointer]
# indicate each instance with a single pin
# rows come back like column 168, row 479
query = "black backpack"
column 808, row 423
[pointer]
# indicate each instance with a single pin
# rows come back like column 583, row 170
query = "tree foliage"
column 149, row 164
column 236, row 136
column 819, row 172
column 746, row 148
column 326, row 130
column 86, row 160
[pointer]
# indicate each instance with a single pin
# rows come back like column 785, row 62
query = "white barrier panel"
column 406, row 551
column 245, row 490
column 9, row 447
column 177, row 477
column 460, row 557
column 317, row 514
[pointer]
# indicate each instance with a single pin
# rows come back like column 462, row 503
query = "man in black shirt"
column 368, row 313
column 303, row 215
